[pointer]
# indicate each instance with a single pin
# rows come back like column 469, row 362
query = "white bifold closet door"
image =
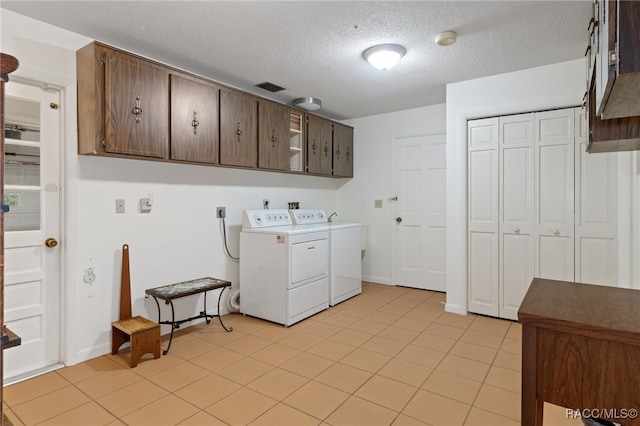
column 525, row 183
column 483, row 216
column 554, row 194
column 516, row 211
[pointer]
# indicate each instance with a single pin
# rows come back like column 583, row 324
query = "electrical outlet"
column 89, row 275
column 221, row 212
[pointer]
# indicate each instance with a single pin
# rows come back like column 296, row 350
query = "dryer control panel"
column 252, row 219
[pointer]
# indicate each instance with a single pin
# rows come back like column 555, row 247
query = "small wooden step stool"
column 143, row 334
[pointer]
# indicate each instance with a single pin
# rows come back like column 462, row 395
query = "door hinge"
column 53, row 105
column 613, row 56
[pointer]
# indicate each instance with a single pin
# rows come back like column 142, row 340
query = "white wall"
column 554, row 86
column 373, row 179
column 179, row 240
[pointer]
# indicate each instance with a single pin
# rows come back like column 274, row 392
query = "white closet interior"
column 538, row 206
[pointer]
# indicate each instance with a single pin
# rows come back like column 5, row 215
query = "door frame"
column 67, row 297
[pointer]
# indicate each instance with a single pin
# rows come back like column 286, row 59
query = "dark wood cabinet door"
column 194, row 120
column 238, row 129
column 342, row 150
column 136, row 106
column 319, row 148
column 273, row 136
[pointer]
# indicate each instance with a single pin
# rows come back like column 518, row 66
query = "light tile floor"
column 390, row 356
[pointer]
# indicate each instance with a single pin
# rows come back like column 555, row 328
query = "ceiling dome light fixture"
column 446, row 38
column 308, row 103
column 384, row 56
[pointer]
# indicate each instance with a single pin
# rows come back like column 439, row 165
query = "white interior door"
column 483, row 216
column 516, row 244
column 554, row 194
column 32, row 270
column 420, row 212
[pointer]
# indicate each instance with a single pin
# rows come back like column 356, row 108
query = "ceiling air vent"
column 270, row 87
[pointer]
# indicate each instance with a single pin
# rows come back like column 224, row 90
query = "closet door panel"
column 483, row 273
column 596, row 227
column 516, row 243
column 516, row 269
column 483, row 216
column 483, row 185
column 554, row 195
column 555, row 257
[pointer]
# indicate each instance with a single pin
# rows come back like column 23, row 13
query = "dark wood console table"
column 580, row 350
column 188, row 288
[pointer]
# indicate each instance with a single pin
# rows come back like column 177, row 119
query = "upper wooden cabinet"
column 194, row 120
column 129, row 106
column 273, row 136
column 319, row 146
column 238, row 128
column 613, row 96
column 616, row 26
column 123, row 104
column 342, row 150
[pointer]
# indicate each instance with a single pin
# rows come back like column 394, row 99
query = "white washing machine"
column 284, row 268
column 345, row 264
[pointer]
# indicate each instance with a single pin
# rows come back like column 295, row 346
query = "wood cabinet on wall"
column 238, row 129
column 342, row 150
column 319, row 145
column 123, row 104
column 273, row 136
column 132, row 107
column 194, row 120
column 613, row 76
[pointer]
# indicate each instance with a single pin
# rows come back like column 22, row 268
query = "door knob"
column 50, row 242
column 398, row 219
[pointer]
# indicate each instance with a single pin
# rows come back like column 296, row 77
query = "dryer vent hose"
column 233, row 301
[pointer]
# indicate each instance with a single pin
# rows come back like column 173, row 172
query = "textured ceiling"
column 314, row 48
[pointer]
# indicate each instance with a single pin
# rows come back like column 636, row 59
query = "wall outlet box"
column 119, row 205
column 221, row 212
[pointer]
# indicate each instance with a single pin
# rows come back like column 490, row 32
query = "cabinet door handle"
column 137, row 110
column 326, row 149
column 274, row 138
column 195, row 123
column 516, row 229
column 348, row 154
column 555, row 231
column 311, row 248
column 239, row 132
column 338, row 152
column 314, row 147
